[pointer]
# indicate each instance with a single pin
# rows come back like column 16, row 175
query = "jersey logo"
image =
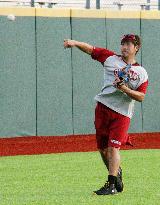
column 116, row 142
column 133, row 75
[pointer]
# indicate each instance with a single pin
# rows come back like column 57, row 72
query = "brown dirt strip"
column 76, row 143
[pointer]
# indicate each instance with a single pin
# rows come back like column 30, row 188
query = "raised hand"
column 69, row 43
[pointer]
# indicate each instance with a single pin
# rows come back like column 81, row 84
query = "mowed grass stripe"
column 70, row 178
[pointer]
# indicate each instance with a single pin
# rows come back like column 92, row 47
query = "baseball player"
column 125, row 82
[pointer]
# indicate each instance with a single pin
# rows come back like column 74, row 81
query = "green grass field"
column 70, row 178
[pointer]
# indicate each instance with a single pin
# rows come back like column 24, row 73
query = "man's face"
column 128, row 49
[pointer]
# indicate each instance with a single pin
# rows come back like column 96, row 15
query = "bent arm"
column 136, row 95
column 86, row 48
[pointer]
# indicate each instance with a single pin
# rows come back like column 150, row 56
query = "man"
column 124, row 82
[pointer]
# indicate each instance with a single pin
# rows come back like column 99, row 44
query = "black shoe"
column 107, row 189
column 119, row 184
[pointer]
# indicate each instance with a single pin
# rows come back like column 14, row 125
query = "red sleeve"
column 101, row 54
column 143, row 87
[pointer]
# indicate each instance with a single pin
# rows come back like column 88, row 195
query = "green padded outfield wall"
column 87, row 73
column 151, row 60
column 17, row 73
column 119, row 23
column 46, row 90
column 54, row 74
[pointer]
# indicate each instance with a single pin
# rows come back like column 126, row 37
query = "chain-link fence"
column 98, row 4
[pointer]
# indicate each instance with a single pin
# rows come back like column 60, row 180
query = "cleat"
column 107, row 189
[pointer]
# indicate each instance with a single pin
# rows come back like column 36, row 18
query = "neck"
column 129, row 60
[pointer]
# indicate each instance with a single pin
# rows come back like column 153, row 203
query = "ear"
column 137, row 48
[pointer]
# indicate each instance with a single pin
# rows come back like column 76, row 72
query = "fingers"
column 118, row 82
column 67, row 43
column 66, row 40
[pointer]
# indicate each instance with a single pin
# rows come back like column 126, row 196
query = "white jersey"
column 110, row 95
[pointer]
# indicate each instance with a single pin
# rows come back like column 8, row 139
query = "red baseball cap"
column 135, row 39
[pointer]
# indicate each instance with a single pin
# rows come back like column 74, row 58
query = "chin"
column 125, row 55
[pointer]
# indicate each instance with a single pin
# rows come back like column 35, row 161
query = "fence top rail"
column 119, row 4
column 134, row 3
column 65, row 2
column 29, row 1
